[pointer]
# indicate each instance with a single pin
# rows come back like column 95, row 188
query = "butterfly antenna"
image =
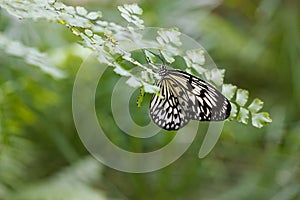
column 159, row 56
column 155, row 66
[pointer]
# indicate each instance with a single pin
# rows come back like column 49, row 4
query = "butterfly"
column 184, row 97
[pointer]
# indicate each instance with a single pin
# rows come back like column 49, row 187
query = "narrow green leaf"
column 141, row 97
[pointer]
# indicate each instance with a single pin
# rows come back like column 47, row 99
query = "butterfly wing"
column 206, row 103
column 169, row 112
column 186, row 97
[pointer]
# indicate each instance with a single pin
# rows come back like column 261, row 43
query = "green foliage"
column 103, row 38
column 240, row 112
column 141, row 97
column 30, row 55
column 257, row 42
column 75, row 182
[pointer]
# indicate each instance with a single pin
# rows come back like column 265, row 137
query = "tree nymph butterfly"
column 185, row 98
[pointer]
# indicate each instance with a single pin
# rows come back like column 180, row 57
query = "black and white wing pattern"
column 169, row 113
column 185, row 98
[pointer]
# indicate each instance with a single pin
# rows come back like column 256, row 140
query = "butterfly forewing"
column 169, row 112
column 186, row 97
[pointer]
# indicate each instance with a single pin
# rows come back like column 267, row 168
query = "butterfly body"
column 185, row 98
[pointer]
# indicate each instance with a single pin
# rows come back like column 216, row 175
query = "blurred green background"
column 256, row 41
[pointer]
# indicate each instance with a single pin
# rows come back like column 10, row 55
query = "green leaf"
column 133, row 8
column 150, row 88
column 94, row 15
column 60, row 5
column 98, row 39
column 126, row 17
column 104, row 38
column 141, row 97
column 150, row 56
column 228, row 90
column 81, row 11
column 129, row 12
column 133, row 82
column 167, row 56
column 195, row 59
column 256, row 105
column 88, row 32
column 243, row 116
column 233, row 112
column 169, row 36
column 242, row 97
column 198, row 68
column 73, row 182
column 215, row 75
column 121, row 71
column 31, row 56
column 260, row 119
column 195, row 56
column 103, row 57
column 70, row 9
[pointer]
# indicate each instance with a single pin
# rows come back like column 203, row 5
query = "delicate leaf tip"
column 169, row 36
column 260, row 119
column 94, row 15
column 81, row 11
column 104, row 37
column 195, row 59
column 195, row 56
column 233, row 112
column 256, row 105
column 167, row 56
column 242, row 97
column 215, row 75
column 129, row 12
column 150, row 88
column 243, row 115
column 121, row 71
column 228, row 90
column 133, row 82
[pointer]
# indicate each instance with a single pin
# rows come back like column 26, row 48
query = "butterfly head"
column 163, row 71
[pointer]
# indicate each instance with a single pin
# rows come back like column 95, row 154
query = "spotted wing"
column 169, row 112
column 206, row 103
